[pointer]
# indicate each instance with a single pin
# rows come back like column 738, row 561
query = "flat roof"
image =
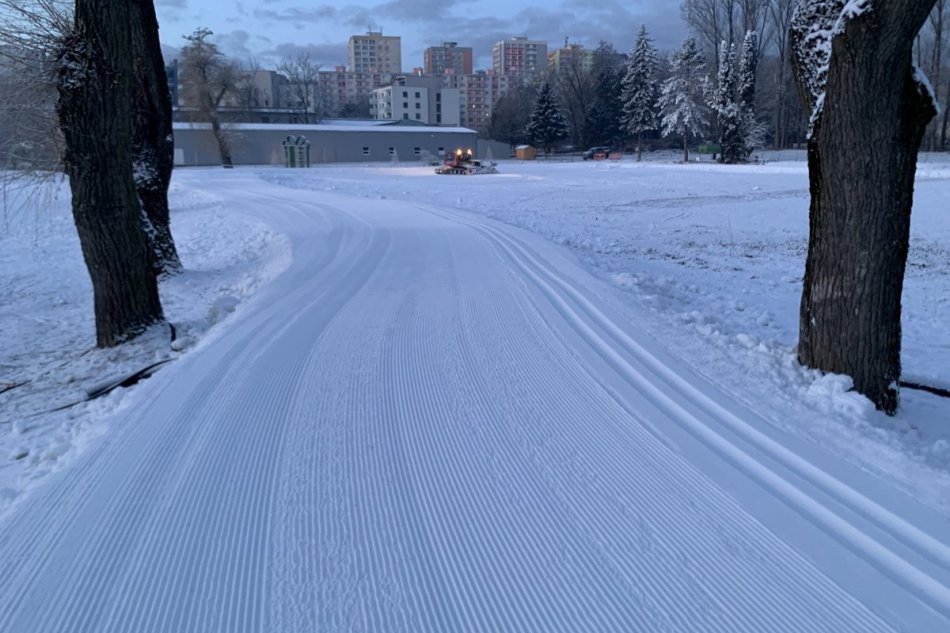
column 324, row 127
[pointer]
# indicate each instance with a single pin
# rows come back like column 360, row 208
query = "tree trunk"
column 862, row 160
column 639, row 146
column 219, row 135
column 685, row 147
column 94, row 107
column 153, row 140
column 945, row 122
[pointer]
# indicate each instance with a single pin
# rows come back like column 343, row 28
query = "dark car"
column 594, row 151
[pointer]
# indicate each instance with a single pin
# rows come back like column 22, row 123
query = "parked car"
column 594, row 151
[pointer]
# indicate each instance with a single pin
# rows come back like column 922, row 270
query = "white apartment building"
column 375, row 53
column 417, row 99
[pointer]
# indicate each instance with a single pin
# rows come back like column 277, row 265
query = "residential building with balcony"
column 375, row 53
column 450, row 58
column 571, row 56
column 519, row 56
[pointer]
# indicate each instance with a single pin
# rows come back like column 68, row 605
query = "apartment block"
column 450, row 58
column 417, row 99
column 571, row 56
column 340, row 87
column 519, row 56
column 478, row 93
column 375, row 53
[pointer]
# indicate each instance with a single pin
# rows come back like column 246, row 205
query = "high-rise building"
column 478, row 94
column 450, row 58
column 519, row 56
column 571, row 56
column 375, row 53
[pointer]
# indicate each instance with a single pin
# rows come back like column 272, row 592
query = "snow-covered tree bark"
column 869, row 107
column 96, row 77
column 682, row 98
column 641, row 91
column 153, row 137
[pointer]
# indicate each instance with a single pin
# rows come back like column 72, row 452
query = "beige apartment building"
column 375, row 53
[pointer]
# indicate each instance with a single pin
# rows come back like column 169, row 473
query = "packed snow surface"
column 560, row 398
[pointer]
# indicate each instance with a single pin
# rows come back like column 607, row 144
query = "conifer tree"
column 682, row 107
column 640, row 91
column 547, row 125
column 724, row 102
column 752, row 130
column 603, row 120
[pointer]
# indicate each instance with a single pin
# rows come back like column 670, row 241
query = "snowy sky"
column 269, row 30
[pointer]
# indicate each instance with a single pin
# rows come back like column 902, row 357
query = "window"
column 405, row 115
column 418, row 106
column 417, row 95
column 392, row 150
column 416, row 150
column 441, row 151
column 405, row 104
column 365, row 151
column 405, row 93
column 418, row 117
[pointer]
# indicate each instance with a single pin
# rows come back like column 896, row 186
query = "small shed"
column 525, row 152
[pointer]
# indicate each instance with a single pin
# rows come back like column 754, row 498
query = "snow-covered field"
column 648, row 456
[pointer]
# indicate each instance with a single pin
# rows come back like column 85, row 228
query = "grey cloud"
column 298, row 15
column 328, row 56
column 238, row 44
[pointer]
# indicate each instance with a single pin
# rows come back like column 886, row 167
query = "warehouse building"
column 262, row 144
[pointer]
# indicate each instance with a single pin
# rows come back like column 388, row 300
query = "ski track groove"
column 423, row 459
column 67, row 494
column 937, row 595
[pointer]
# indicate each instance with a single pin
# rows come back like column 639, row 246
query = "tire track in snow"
column 646, row 372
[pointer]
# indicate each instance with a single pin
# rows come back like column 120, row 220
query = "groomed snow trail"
column 430, row 422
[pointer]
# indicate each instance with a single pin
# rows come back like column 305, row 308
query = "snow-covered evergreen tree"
column 681, row 101
column 753, row 132
column 547, row 125
column 723, row 99
column 603, row 119
column 733, row 101
column 641, row 91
